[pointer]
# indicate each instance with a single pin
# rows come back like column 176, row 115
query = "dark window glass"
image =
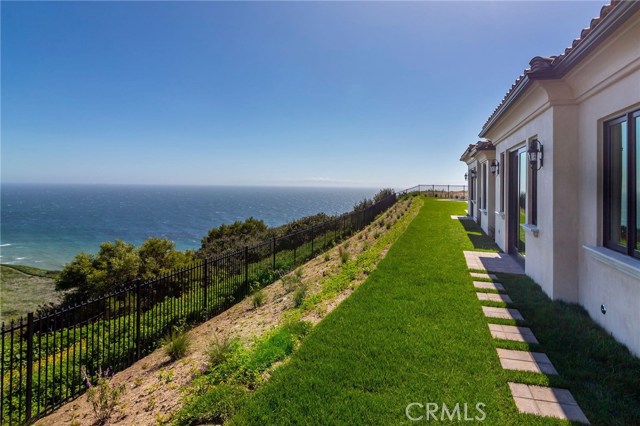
column 618, row 178
column 637, row 146
column 622, row 184
column 502, row 189
column 522, row 197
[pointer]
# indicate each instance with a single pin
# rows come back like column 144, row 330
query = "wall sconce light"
column 536, row 154
column 466, row 176
column 495, row 167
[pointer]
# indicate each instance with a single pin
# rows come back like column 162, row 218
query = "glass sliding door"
column 517, row 203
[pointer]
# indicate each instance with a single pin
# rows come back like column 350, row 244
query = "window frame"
column 502, row 165
column 631, row 248
column 533, row 182
column 484, row 185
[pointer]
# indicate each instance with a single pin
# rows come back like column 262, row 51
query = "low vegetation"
column 414, row 332
column 24, row 289
column 103, row 394
column 176, row 343
column 234, row 370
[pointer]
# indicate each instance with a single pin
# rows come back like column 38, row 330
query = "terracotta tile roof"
column 475, row 147
column 543, row 67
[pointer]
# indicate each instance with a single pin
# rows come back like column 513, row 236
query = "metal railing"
column 42, row 357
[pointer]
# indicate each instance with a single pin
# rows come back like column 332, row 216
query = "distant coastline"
column 46, row 225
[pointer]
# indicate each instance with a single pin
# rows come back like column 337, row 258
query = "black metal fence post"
column 138, row 312
column 29, row 384
column 273, row 245
column 205, row 286
column 246, row 269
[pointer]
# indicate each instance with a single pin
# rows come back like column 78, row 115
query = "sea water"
column 47, row 225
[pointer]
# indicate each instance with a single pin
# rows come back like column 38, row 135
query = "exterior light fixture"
column 472, row 173
column 495, row 167
column 466, row 176
column 535, row 153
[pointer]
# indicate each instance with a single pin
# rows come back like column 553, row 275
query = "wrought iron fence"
column 455, row 192
column 42, row 357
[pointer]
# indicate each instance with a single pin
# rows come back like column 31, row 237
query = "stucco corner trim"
column 531, row 229
column 618, row 261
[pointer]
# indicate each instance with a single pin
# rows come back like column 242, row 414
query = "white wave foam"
column 5, row 245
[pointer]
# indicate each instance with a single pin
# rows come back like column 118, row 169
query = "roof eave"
column 618, row 15
column 522, row 85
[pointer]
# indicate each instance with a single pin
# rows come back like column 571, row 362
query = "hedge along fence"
column 42, row 356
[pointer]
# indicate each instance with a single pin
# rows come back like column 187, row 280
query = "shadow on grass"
column 478, row 238
column 601, row 373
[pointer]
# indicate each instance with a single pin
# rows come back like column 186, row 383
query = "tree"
column 383, row 194
column 158, row 256
column 75, row 274
column 226, row 238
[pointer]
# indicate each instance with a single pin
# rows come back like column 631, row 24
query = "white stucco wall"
column 567, row 258
column 606, row 85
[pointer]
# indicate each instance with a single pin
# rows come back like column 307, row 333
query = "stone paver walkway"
column 511, row 332
column 494, row 262
column 503, row 313
column 526, row 361
column 461, row 217
column 488, row 286
column 493, row 297
column 536, row 400
column 548, row 402
column 485, row 276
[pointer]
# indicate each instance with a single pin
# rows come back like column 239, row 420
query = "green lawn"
column 415, row 332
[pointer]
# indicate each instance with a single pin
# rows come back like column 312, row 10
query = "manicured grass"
column 23, row 289
column 413, row 332
column 601, row 373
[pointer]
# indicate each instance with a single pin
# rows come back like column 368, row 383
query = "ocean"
column 47, row 225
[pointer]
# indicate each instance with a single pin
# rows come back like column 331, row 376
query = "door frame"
column 513, row 201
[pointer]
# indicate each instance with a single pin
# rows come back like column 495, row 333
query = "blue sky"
column 211, row 93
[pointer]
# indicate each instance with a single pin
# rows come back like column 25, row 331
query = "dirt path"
column 153, row 384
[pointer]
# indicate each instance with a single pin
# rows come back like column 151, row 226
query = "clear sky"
column 283, row 93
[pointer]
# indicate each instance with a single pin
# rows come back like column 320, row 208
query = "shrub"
column 327, row 257
column 258, row 298
column 299, row 273
column 299, row 295
column 344, row 255
column 176, row 344
column 103, row 395
column 220, row 349
column 388, row 226
column 376, row 235
column 216, row 406
column 290, row 282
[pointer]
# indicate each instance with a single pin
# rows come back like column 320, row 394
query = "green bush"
column 258, row 298
column 103, row 395
column 299, row 295
column 217, row 405
column 176, row 344
column 327, row 257
column 344, row 255
column 219, row 349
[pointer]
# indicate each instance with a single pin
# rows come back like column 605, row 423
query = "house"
column 565, row 196
column 480, row 157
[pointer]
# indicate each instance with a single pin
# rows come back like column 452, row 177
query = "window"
column 484, row 186
column 534, row 192
column 502, row 165
column 622, row 184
